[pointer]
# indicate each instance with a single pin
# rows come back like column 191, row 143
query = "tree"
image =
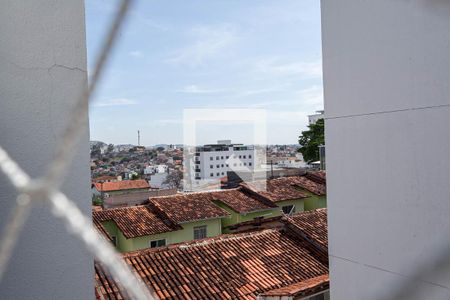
column 110, row 148
column 173, row 180
column 311, row 139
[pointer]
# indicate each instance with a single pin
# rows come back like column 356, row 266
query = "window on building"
column 157, row 243
column 223, row 173
column 199, row 232
column 228, row 157
column 317, row 297
column 250, row 164
column 217, row 166
column 211, row 166
column 212, row 174
column 235, row 165
column 245, row 164
column 114, row 240
column 211, row 158
column 249, row 156
column 240, row 156
column 288, row 209
column 245, row 156
column 223, row 165
column 227, row 165
column 217, row 157
column 218, row 174
column 221, row 157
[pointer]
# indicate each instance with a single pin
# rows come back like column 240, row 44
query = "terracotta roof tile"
column 276, row 190
column 121, row 185
column 303, row 288
column 231, row 266
column 308, row 184
column 135, row 221
column 240, row 201
column 191, row 207
column 313, row 224
column 317, row 176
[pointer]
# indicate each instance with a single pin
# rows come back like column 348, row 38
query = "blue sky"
column 175, row 55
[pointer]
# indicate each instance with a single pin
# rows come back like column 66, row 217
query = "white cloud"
column 114, row 102
column 195, row 89
column 274, row 66
column 207, row 42
column 136, row 54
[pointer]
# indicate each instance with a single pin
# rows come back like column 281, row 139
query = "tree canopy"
column 311, row 139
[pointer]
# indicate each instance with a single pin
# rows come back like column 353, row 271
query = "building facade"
column 387, row 86
column 212, row 162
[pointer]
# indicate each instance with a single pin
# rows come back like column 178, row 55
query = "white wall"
column 42, row 68
column 387, row 104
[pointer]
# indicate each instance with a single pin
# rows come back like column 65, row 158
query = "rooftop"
column 134, row 221
column 240, row 201
column 313, row 225
column 276, row 190
column 240, row 266
column 184, row 208
column 121, row 185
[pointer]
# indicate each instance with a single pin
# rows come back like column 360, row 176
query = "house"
column 266, row 265
column 120, row 187
column 162, row 221
column 135, row 198
column 199, row 217
column 207, row 214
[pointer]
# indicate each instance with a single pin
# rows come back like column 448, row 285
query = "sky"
column 176, row 55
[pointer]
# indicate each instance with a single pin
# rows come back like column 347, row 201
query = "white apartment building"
column 212, row 162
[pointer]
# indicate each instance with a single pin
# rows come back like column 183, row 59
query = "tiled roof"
column 301, row 289
column 240, row 201
column 121, row 185
column 104, row 178
column 135, row 221
column 276, row 190
column 313, row 224
column 103, row 233
column 240, row 266
column 308, row 184
column 184, row 208
column 317, row 176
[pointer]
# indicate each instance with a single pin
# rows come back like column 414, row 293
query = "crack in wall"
column 390, row 272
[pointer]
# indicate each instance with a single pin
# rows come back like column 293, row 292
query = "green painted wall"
column 299, row 206
column 214, row 228
column 314, row 202
column 236, row 217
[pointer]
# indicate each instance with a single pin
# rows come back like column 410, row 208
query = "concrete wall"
column 387, row 104
column 42, row 69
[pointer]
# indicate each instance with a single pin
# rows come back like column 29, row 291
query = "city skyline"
column 176, row 56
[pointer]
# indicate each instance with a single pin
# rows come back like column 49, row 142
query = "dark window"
column 288, row 209
column 228, row 157
column 199, row 232
column 245, row 156
column 249, row 156
column 211, row 166
column 217, row 158
column 218, row 166
column 249, row 163
column 211, row 158
column 218, row 174
column 245, row 164
column 222, row 165
column 221, row 157
column 212, row 174
column 240, row 156
column 223, row 173
column 157, row 243
column 227, row 165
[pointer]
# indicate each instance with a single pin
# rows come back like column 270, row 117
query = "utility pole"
column 139, row 138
